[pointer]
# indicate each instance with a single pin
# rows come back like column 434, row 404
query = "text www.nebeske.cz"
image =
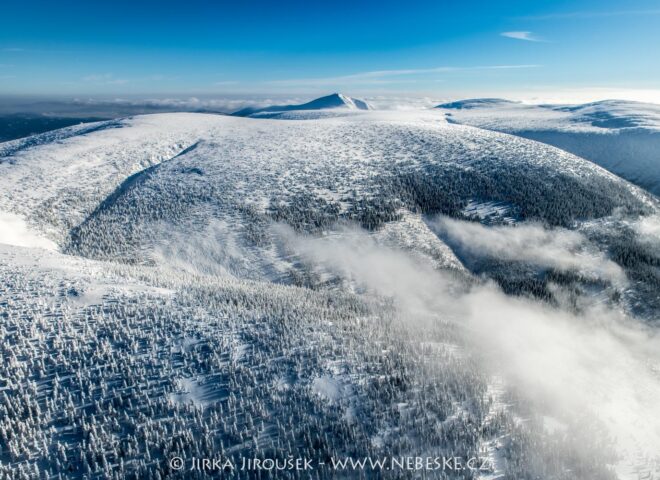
column 343, row 463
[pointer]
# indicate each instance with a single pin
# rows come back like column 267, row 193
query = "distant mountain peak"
column 335, row 100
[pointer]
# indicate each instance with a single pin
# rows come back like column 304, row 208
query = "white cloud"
column 548, row 94
column 596, row 364
column 389, row 76
column 521, row 35
column 399, row 102
column 221, row 104
column 648, row 229
column 558, row 248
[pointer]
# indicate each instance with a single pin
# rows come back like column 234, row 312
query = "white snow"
column 204, row 295
column 65, row 179
column 331, row 388
column 14, row 230
column 621, row 136
column 329, row 102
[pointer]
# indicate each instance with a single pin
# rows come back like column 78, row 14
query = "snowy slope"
column 336, row 100
column 264, row 287
column 184, row 166
column 163, row 189
column 621, row 136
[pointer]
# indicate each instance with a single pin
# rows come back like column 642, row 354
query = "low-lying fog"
column 588, row 369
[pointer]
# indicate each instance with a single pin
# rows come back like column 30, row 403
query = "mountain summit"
column 336, row 100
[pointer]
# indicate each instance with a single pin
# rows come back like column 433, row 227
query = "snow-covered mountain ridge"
column 218, row 285
column 621, row 136
column 336, row 100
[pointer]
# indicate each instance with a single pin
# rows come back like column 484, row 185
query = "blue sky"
column 442, row 48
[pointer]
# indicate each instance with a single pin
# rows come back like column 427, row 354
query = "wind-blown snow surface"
column 246, row 286
column 621, row 136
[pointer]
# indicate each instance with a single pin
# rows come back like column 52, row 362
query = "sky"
column 530, row 50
